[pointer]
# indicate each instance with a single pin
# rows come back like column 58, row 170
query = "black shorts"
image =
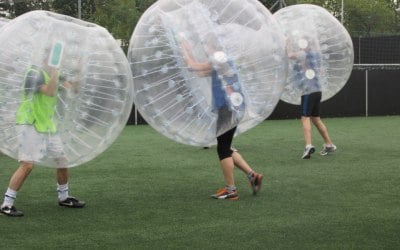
column 224, row 144
column 310, row 104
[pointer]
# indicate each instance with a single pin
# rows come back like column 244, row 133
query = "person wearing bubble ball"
column 37, row 133
column 228, row 156
column 306, row 72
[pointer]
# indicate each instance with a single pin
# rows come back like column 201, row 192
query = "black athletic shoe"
column 72, row 202
column 11, row 211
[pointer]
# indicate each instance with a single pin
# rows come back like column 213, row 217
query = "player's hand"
column 228, row 90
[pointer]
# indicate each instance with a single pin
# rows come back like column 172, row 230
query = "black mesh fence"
column 367, row 93
column 376, row 50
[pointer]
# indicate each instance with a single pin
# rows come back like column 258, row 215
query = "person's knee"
column 26, row 165
column 316, row 120
column 224, row 151
column 305, row 119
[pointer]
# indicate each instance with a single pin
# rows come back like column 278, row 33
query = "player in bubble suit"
column 228, row 156
column 306, row 72
column 37, row 133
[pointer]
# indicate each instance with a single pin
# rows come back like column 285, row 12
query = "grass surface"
column 148, row 192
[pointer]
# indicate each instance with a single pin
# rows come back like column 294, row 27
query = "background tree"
column 119, row 17
column 22, row 7
column 143, row 5
column 11, row 9
column 5, row 9
column 70, row 8
column 375, row 18
column 361, row 17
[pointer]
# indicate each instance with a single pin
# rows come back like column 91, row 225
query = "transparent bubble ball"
column 3, row 21
column 242, row 43
column 320, row 52
column 95, row 86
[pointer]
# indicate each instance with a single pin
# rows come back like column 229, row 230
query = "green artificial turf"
column 149, row 192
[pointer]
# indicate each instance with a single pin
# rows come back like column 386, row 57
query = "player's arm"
column 292, row 55
column 71, row 85
column 289, row 48
column 201, row 68
column 229, row 89
column 50, row 89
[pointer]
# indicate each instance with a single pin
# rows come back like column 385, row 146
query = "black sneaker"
column 11, row 211
column 72, row 202
column 307, row 152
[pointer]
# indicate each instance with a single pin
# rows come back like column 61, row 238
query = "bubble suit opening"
column 94, row 97
column 242, row 43
column 320, row 52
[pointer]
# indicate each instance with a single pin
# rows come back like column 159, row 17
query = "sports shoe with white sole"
column 225, row 194
column 72, row 202
column 307, row 152
column 11, row 211
column 328, row 149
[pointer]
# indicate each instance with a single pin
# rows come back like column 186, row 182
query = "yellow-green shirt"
column 37, row 108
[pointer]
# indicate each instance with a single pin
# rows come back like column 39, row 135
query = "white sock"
column 9, row 198
column 231, row 188
column 62, row 191
column 249, row 175
column 309, row 145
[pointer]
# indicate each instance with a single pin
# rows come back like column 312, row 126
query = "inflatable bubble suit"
column 238, row 39
column 320, row 51
column 94, row 96
column 3, row 21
